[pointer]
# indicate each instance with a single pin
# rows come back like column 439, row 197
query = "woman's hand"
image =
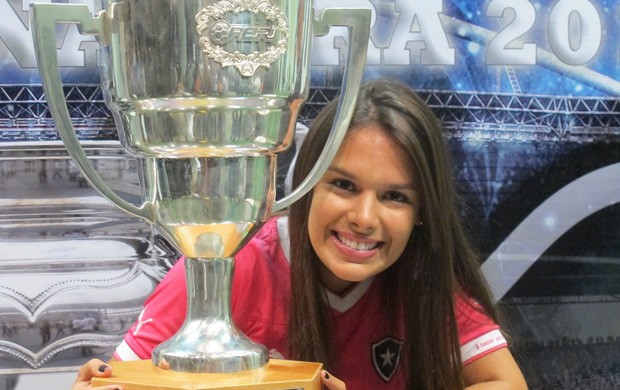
column 330, row 382
column 93, row 368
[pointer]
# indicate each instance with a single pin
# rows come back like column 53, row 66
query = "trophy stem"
column 209, row 341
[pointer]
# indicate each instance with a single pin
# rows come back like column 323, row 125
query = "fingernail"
column 102, row 368
column 326, row 375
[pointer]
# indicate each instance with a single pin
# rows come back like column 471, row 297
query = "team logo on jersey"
column 386, row 356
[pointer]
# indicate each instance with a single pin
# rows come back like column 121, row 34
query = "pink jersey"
column 368, row 349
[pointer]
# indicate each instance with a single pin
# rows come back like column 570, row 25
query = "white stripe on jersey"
column 482, row 344
column 124, row 352
column 285, row 241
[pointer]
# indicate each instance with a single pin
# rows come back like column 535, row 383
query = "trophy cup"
column 204, row 93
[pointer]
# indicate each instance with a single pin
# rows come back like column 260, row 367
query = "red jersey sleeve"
column 162, row 315
column 479, row 335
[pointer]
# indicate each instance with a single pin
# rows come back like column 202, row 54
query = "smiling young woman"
column 364, row 208
column 389, row 195
column 370, row 273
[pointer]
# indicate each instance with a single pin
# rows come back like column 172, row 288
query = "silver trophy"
column 205, row 94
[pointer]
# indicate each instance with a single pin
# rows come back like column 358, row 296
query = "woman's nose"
column 364, row 213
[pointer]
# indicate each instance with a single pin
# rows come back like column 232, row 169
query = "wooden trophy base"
column 277, row 374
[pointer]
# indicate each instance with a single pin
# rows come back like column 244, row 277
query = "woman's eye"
column 396, row 196
column 343, row 184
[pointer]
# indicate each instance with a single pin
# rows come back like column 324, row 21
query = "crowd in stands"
column 567, row 363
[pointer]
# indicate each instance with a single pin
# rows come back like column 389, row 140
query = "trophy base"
column 277, row 374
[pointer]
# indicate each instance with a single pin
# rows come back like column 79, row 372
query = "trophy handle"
column 44, row 18
column 358, row 21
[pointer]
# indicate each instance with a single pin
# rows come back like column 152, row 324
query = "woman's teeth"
column 360, row 246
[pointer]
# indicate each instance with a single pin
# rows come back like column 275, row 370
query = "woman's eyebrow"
column 396, row 186
column 340, row 171
column 404, row 186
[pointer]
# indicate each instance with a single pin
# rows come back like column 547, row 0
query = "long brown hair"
column 437, row 264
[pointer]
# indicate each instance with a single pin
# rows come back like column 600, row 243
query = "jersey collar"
column 342, row 304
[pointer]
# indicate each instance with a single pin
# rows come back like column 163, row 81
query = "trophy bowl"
column 204, row 94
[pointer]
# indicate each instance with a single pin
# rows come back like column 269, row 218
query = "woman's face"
column 363, row 209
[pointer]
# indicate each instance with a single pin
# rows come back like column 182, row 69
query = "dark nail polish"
column 326, row 375
column 102, row 368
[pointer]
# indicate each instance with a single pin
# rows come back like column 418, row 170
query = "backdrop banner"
column 528, row 95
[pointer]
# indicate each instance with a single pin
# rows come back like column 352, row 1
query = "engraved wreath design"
column 246, row 63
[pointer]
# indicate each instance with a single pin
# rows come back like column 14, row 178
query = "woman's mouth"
column 357, row 245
